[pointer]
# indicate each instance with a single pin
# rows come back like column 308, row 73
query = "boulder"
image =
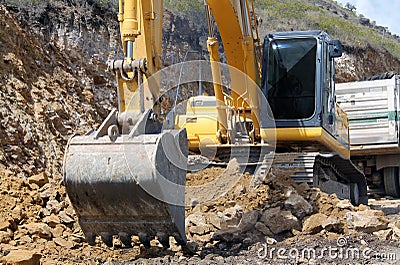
column 279, row 221
column 65, row 218
column 40, row 229
column 384, row 234
column 368, row 221
column 196, row 218
column 52, row 220
column 39, row 179
column 298, row 205
column 248, row 221
column 216, row 220
column 317, row 222
column 263, row 229
column 4, row 225
column 5, row 237
column 200, row 229
column 64, row 243
column 21, row 257
column 231, row 217
column 345, row 204
column 54, row 206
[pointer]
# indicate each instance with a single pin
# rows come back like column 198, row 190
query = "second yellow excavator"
column 128, row 177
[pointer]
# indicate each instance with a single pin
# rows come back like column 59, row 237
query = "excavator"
column 128, row 177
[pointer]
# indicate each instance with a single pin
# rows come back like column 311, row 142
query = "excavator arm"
column 128, row 176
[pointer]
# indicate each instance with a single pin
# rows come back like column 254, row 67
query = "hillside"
column 80, row 28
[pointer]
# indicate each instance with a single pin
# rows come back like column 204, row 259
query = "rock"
column 194, row 202
column 248, row 221
column 258, row 178
column 196, row 218
column 203, row 238
column 215, row 219
column 39, row 179
column 40, row 229
column 231, row 217
column 64, row 243
column 25, row 240
column 229, row 235
column 200, row 229
column 317, row 222
column 48, row 192
column 57, row 231
column 70, row 210
column 17, row 214
column 65, row 218
column 298, row 205
column 45, row 212
column 239, row 190
column 5, row 237
column 279, row 221
column 4, row 225
column 192, row 246
column 303, row 187
column 263, row 229
column 79, row 238
column 368, row 221
column 22, row 257
column 54, row 206
column 52, row 220
column 247, row 241
column 345, row 204
column 363, row 207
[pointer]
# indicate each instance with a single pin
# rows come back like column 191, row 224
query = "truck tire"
column 391, row 181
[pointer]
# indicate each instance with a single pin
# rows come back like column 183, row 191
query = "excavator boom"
column 128, row 177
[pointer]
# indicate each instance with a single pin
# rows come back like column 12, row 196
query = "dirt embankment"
column 47, row 94
column 359, row 63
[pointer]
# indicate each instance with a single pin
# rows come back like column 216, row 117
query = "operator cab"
column 298, row 82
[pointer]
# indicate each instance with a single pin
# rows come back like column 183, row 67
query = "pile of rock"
column 290, row 210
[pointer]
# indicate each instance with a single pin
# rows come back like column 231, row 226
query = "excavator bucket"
column 128, row 185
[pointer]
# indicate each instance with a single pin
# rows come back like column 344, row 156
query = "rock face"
column 44, row 90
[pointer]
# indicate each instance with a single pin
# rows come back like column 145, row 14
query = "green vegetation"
column 194, row 9
column 341, row 23
column 283, row 15
column 278, row 15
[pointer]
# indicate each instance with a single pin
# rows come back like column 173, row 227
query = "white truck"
column 373, row 110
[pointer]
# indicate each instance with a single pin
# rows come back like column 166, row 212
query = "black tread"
column 391, row 181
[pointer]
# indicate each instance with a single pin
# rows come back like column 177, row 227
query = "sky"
column 386, row 13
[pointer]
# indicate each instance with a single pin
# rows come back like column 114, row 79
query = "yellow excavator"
column 128, row 176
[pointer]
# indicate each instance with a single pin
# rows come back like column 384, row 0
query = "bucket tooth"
column 90, row 239
column 179, row 240
column 145, row 240
column 164, row 240
column 125, row 239
column 107, row 239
